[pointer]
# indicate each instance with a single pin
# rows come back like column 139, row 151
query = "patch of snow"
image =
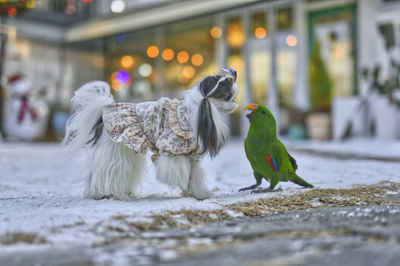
column 358, row 146
column 41, row 191
column 168, row 254
column 199, row 241
column 315, row 202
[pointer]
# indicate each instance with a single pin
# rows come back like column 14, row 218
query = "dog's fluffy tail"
column 86, row 110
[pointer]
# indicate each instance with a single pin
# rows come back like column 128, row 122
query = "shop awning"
column 148, row 18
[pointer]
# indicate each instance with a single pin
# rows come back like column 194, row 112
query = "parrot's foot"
column 267, row 190
column 250, row 187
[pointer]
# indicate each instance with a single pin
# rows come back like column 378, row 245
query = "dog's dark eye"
column 263, row 112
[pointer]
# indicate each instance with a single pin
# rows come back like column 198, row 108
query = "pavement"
column 331, row 236
column 45, row 221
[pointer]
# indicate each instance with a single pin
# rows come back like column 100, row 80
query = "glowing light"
column 12, row 11
column 260, row 33
column 216, row 32
column 168, row 54
column 188, row 72
column 236, row 37
column 236, row 62
column 282, row 58
column 197, row 59
column 122, row 77
column 117, row 6
column 70, row 9
column 145, row 70
column 121, row 37
column 291, row 40
column 127, row 61
column 30, row 4
column 113, row 76
column 153, row 51
column 87, row 1
column 98, row 61
column 115, row 85
column 182, row 57
column 339, row 52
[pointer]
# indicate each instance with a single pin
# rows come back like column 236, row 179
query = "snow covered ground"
column 41, row 190
column 363, row 147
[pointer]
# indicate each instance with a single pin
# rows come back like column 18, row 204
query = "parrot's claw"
column 266, row 190
column 248, row 188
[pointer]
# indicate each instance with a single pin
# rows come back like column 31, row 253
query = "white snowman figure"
column 25, row 117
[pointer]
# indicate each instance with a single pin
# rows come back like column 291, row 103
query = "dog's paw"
column 199, row 195
column 203, row 196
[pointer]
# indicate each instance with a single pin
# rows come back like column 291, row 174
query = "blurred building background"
column 326, row 69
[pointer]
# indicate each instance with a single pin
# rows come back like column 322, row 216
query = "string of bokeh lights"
column 122, row 78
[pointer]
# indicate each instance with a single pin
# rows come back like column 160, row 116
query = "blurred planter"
column 319, row 126
column 297, row 132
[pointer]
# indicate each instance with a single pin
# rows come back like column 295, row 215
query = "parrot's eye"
column 263, row 112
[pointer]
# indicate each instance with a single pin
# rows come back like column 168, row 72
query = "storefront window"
column 284, row 18
column 286, row 45
column 189, row 53
column 286, row 64
column 260, row 58
column 258, row 25
column 163, row 61
column 332, row 59
column 131, row 65
column 235, row 39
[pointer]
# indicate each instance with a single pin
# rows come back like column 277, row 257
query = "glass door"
column 260, row 43
column 258, row 48
column 332, row 37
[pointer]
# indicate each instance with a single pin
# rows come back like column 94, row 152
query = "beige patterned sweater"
column 163, row 127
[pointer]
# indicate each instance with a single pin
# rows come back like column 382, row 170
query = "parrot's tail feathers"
column 300, row 181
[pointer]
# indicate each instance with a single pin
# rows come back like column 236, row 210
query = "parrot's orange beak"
column 252, row 107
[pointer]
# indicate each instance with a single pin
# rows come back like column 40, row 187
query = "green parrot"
column 267, row 155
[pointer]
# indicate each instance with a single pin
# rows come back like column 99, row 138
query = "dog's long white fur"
column 115, row 170
column 86, row 108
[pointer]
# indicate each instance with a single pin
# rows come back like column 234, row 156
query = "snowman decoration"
column 25, row 117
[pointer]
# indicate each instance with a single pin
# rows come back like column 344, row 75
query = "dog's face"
column 219, row 93
column 222, row 90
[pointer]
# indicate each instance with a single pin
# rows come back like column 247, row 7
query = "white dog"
column 178, row 132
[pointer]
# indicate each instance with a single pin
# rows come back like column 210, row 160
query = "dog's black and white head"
column 218, row 95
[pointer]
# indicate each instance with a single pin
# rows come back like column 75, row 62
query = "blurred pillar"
column 221, row 52
column 367, row 35
column 273, row 94
column 301, row 93
column 3, row 41
column 159, row 63
column 366, row 55
column 248, row 98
